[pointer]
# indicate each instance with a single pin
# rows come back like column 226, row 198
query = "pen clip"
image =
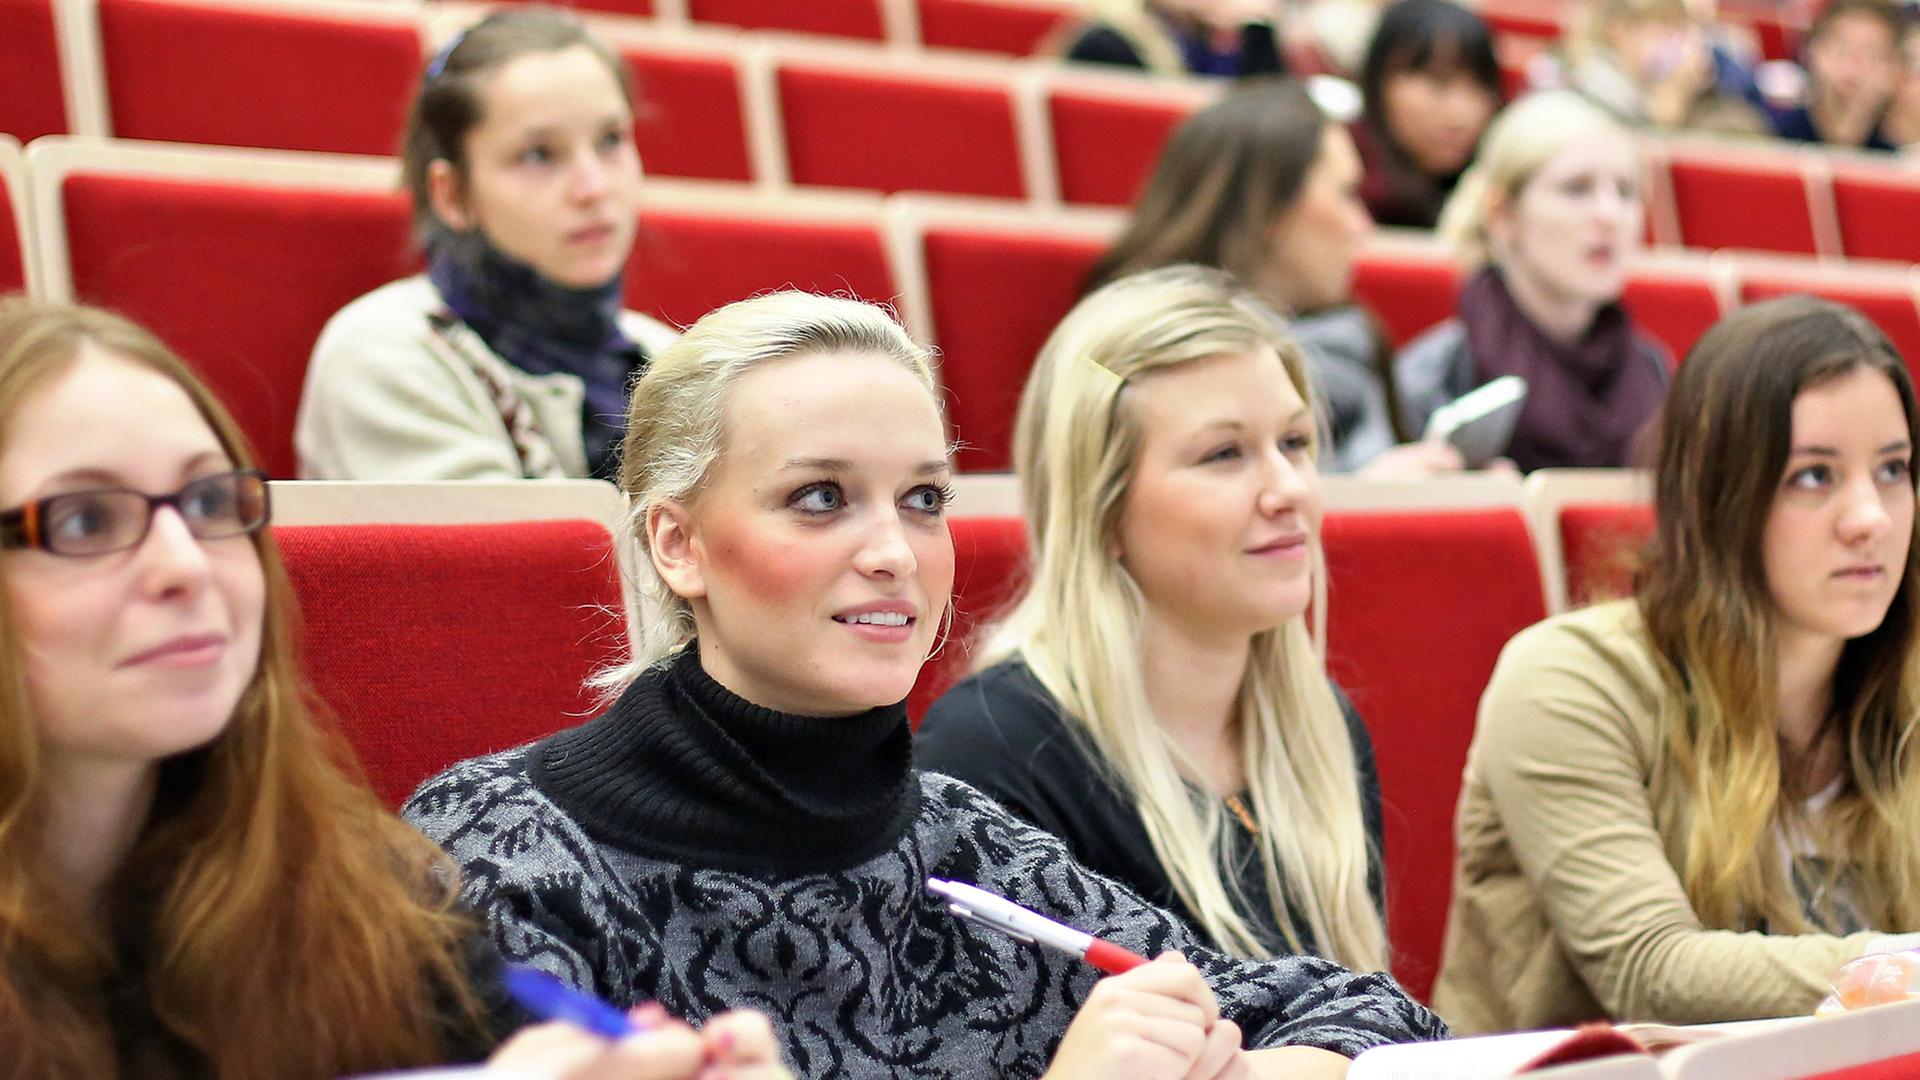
column 973, row 916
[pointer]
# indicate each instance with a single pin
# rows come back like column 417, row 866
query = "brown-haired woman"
column 511, row 355
column 1261, row 185
column 190, row 884
column 1695, row 804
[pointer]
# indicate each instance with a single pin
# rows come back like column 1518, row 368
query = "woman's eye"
column 1811, row 478
column 207, row 502
column 537, row 155
column 79, row 517
column 1897, row 471
column 1296, row 443
column 817, row 499
column 929, row 499
column 1230, row 452
column 613, row 139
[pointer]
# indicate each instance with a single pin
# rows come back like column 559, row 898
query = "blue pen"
column 550, row 999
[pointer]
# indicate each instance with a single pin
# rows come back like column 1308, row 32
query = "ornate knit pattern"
column 863, row 973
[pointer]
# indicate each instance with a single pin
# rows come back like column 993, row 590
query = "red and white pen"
column 978, row 905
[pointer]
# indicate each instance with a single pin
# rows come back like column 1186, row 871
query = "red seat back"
column 1879, row 213
column 690, row 121
column 1105, row 147
column 1890, row 304
column 1410, row 293
column 1673, row 308
column 13, row 253
column 1000, row 26
column 1420, row 605
column 938, row 134
column 989, row 568
column 688, row 262
column 242, row 76
column 836, row 18
column 31, row 102
column 237, row 279
column 996, row 295
column 1744, row 203
column 502, row 625
column 1601, row 546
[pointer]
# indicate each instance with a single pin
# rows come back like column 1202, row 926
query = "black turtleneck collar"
column 685, row 770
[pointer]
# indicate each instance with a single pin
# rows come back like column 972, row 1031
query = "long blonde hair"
column 676, row 425
column 1710, row 617
column 1521, row 141
column 1078, row 627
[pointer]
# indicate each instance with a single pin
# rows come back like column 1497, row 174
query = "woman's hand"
column 1413, row 460
column 1156, row 1022
column 733, row 1046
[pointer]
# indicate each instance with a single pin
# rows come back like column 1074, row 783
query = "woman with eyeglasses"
column 190, row 884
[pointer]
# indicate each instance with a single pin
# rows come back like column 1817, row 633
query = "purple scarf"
column 1586, row 402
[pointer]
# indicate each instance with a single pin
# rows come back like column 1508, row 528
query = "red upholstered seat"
column 1904, row 1067
column 435, row 643
column 290, row 80
column 1419, row 607
column 989, row 568
column 898, row 131
column 1744, row 202
column 1106, row 146
column 1888, row 302
column 690, row 119
column 1409, row 292
column 836, row 18
column 688, row 262
column 1673, row 307
column 1013, row 27
column 996, row 294
column 31, row 104
column 13, row 269
column 237, row 279
column 1879, row 213
column 1601, row 545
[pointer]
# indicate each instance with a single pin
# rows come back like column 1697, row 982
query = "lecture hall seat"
column 1108, row 132
column 859, row 19
column 13, row 238
column 454, row 678
column 1886, row 298
column 989, row 569
column 1409, row 285
column 1878, row 210
column 1673, row 304
column 691, row 117
column 1602, row 546
column 1757, row 200
column 1008, row 27
column 32, row 100
column 1419, row 605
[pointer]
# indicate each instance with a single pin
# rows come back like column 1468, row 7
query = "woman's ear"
column 674, row 550
column 1499, row 225
column 444, row 195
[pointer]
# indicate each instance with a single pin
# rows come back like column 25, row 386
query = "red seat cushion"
column 1016, row 29
column 13, row 269
column 837, row 18
column 280, row 79
column 1675, row 310
column 1420, row 605
column 688, row 262
column 1601, row 545
column 1105, row 148
column 989, row 568
column 1409, row 293
column 996, row 295
column 1742, row 204
column 1879, row 213
column 690, row 121
column 1904, row 1067
column 1890, row 306
column 938, row 135
column 31, row 103
column 502, row 626
column 237, row 279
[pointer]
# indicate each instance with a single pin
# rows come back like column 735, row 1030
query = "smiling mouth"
column 876, row 618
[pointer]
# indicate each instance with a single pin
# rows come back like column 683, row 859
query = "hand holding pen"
column 586, row 1038
column 1147, row 1018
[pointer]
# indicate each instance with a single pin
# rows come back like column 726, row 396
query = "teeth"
column 879, row 618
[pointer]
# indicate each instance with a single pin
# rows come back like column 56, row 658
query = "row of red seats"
column 750, row 108
column 237, row 259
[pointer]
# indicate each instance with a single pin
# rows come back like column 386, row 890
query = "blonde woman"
column 1155, row 698
column 1695, row 804
column 744, row 823
column 1545, row 222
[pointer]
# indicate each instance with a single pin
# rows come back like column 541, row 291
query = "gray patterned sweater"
column 690, row 848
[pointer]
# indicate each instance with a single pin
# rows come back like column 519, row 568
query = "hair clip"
column 1112, row 376
column 438, row 65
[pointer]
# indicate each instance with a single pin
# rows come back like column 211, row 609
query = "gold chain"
column 1240, row 811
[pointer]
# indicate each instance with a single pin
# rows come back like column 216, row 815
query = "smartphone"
column 1480, row 422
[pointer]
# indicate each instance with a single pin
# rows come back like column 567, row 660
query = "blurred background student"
column 1854, row 65
column 1171, row 37
column 1545, row 223
column 1262, row 185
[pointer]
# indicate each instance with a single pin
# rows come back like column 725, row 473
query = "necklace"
column 1240, row 811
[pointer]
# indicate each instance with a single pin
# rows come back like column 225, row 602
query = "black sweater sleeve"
column 1098, row 44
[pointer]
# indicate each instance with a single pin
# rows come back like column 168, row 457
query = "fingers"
column 1220, row 1058
column 742, row 1038
column 561, row 1051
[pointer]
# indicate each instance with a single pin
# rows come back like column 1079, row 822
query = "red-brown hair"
column 272, row 919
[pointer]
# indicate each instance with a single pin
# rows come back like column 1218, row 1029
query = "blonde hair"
column 1605, row 14
column 1526, row 136
column 1078, row 626
column 676, row 425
